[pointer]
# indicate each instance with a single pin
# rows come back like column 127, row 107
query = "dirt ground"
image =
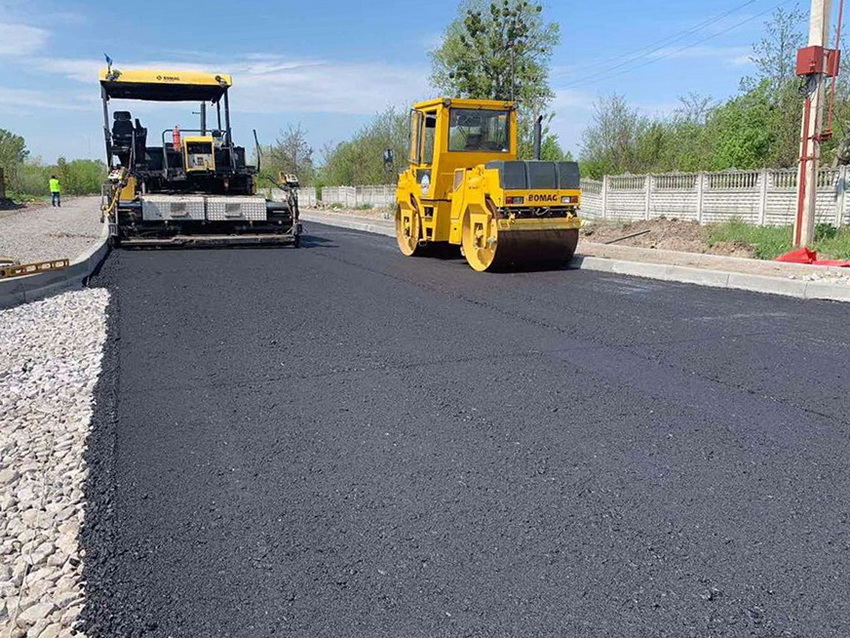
column 664, row 234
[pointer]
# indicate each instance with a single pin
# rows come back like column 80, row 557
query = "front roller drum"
column 487, row 247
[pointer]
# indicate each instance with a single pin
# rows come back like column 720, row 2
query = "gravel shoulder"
column 41, row 233
column 50, row 357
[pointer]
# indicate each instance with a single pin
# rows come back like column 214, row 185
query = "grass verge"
column 771, row 241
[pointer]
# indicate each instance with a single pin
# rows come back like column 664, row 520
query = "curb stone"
column 800, row 289
column 19, row 290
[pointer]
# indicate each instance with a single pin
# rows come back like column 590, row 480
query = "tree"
column 609, row 144
column 775, row 55
column 361, row 159
column 13, row 149
column 743, row 130
column 694, row 108
column 80, row 176
column 13, row 152
column 499, row 50
column 291, row 153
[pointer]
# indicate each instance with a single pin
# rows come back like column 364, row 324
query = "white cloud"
column 275, row 84
column 327, row 86
column 21, row 39
column 22, row 99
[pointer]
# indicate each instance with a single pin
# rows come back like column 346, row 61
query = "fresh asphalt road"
column 340, row 441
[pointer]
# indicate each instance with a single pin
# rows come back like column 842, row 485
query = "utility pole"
column 812, row 64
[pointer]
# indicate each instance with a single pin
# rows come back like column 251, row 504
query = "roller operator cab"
column 465, row 187
column 183, row 186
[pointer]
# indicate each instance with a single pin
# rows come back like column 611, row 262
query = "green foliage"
column 611, row 143
column 80, row 176
column 500, row 50
column 27, row 178
column 291, row 153
column 775, row 55
column 741, row 131
column 360, row 160
column 13, row 151
column 757, row 128
column 31, row 180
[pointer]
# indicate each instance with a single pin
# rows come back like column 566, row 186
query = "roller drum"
column 487, row 247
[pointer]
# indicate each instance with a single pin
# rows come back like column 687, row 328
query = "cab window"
column 429, row 137
column 475, row 130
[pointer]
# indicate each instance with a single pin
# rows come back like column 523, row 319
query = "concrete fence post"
column 604, row 196
column 647, row 203
column 840, row 196
column 763, row 181
column 700, row 184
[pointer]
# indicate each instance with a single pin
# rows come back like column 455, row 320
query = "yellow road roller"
column 465, row 187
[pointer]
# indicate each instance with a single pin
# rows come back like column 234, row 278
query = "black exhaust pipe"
column 538, row 136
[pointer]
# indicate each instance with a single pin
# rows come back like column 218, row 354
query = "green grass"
column 769, row 242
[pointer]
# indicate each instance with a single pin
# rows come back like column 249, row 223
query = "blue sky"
column 331, row 64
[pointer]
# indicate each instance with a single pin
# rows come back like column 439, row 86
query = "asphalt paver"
column 337, row 440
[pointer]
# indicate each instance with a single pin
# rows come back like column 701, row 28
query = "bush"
column 30, row 179
column 80, row 177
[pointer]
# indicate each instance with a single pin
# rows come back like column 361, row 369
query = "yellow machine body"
column 465, row 187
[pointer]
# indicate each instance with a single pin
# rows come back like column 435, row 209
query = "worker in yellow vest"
column 55, row 191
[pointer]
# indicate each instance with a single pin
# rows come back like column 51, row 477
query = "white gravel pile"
column 50, row 358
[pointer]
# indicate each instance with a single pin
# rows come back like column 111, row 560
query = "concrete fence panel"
column 764, row 197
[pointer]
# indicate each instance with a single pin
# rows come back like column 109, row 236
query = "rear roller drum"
column 486, row 247
column 407, row 231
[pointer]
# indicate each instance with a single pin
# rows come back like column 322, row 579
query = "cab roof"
column 466, row 103
column 164, row 86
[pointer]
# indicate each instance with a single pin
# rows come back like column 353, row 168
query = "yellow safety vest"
column 54, row 186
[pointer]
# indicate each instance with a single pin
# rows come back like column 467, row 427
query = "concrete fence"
column 763, row 197
column 381, row 196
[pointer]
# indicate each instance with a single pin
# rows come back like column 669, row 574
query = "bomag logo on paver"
column 168, row 78
column 542, row 198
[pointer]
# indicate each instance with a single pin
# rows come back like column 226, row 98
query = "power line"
column 606, row 73
column 637, row 54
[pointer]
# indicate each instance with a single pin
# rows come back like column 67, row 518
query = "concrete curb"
column 665, row 272
column 19, row 290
